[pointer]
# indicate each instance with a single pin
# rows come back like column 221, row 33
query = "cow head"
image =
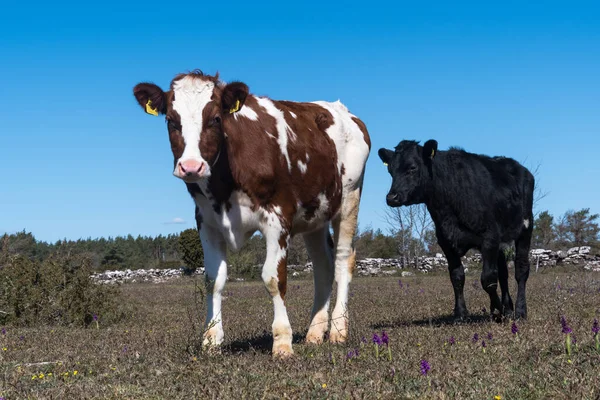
column 197, row 109
column 410, row 168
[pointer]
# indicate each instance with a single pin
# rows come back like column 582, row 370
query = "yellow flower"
column 570, row 362
column 49, row 373
column 41, row 376
column 194, row 359
column 74, row 372
column 324, row 386
column 33, row 378
column 498, row 397
column 66, row 374
column 4, row 348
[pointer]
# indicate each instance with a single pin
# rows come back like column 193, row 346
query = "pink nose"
column 191, row 168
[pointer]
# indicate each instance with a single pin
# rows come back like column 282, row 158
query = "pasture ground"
column 154, row 353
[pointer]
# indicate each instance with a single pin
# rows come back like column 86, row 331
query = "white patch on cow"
column 526, row 223
column 247, row 112
column 307, row 158
column 302, row 167
column 191, row 95
column 293, row 115
column 352, row 150
column 271, row 136
column 282, row 127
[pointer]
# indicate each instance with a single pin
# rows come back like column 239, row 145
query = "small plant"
column 566, row 329
column 595, row 331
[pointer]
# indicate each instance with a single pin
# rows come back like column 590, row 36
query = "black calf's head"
column 410, row 168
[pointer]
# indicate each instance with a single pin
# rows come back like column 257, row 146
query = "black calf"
column 475, row 201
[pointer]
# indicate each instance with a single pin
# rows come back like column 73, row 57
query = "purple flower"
column 573, row 339
column 95, row 317
column 350, row 355
column 364, row 340
column 514, row 328
column 421, row 291
column 400, row 283
column 4, row 331
column 425, row 367
column 376, row 339
column 451, row 340
column 490, row 336
column 21, row 337
column 595, row 327
column 566, row 329
column 483, row 343
column 475, row 338
column 483, row 310
column 125, row 349
column 384, row 338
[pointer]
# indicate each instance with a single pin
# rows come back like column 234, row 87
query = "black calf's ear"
column 233, row 97
column 385, row 155
column 429, row 149
column 151, row 98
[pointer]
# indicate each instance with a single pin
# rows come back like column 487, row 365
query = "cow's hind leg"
column 319, row 245
column 522, row 245
column 489, row 276
column 344, row 228
column 215, row 269
column 507, row 303
column 274, row 275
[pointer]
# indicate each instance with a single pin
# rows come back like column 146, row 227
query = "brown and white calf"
column 280, row 167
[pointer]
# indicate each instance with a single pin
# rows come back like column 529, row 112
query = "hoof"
column 282, row 351
column 315, row 337
column 338, row 337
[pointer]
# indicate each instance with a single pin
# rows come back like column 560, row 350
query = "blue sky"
column 78, row 158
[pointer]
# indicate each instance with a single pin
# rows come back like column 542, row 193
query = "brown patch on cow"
column 342, row 170
column 272, row 286
column 282, row 277
column 352, row 262
column 363, row 128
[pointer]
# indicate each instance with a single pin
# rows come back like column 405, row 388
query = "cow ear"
column 152, row 99
column 233, row 97
column 385, row 155
column 429, row 150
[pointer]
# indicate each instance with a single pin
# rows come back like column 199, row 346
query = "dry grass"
column 153, row 354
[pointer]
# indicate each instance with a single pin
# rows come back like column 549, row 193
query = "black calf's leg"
column 489, row 277
column 507, row 302
column 457, row 277
column 522, row 245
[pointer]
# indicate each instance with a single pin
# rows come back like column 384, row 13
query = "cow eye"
column 216, row 120
column 412, row 168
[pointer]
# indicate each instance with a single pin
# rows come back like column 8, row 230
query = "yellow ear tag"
column 432, row 154
column 151, row 110
column 236, row 108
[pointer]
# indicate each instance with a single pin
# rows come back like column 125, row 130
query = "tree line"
column 409, row 235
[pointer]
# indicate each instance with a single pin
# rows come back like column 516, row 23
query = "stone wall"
column 580, row 256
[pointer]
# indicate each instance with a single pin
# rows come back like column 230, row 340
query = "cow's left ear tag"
column 236, row 108
column 432, row 153
column 150, row 110
column 385, row 164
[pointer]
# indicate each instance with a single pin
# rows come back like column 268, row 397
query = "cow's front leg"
column 215, row 270
column 274, row 275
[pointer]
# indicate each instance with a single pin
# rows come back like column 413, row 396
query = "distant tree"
column 113, row 259
column 190, row 248
column 579, row 228
column 544, row 233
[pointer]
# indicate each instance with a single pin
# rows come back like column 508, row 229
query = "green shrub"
column 56, row 291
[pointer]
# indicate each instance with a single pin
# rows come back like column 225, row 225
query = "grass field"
column 154, row 353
